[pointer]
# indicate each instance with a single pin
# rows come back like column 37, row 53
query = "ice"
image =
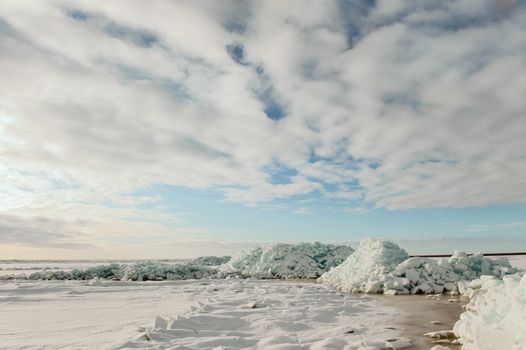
column 383, row 267
column 366, row 269
column 279, row 260
column 495, row 317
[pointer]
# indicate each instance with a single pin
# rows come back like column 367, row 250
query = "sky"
column 172, row 129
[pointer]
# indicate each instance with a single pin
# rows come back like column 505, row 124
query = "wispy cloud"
column 495, row 227
column 357, row 210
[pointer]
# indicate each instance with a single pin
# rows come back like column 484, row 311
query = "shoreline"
column 417, row 312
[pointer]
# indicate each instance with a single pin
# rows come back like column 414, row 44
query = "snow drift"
column 383, row 267
column 279, row 260
column 495, row 318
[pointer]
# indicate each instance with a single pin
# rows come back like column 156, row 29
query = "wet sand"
column 416, row 314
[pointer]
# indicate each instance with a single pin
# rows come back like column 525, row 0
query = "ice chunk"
column 160, row 323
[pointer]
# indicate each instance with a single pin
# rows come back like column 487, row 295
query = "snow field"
column 251, row 314
column 234, row 314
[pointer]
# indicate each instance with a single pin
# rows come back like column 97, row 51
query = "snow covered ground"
column 199, row 314
column 77, row 315
column 235, row 313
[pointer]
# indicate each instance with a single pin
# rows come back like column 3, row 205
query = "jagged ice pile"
column 279, row 260
column 380, row 266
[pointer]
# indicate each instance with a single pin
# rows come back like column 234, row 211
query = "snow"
column 383, row 267
column 235, row 314
column 76, row 315
column 274, row 315
column 279, row 260
column 495, row 317
column 365, row 269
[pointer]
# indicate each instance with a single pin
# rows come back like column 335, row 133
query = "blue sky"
column 174, row 129
column 433, row 230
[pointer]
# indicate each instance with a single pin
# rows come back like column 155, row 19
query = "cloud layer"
column 393, row 104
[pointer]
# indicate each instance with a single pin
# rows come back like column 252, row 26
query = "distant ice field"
column 26, row 267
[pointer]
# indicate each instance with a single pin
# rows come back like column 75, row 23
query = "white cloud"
column 416, row 104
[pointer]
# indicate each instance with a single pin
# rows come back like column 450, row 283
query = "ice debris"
column 495, row 317
column 279, row 260
column 379, row 266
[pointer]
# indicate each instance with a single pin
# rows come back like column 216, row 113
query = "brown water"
column 417, row 312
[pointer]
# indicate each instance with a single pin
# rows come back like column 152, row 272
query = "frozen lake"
column 193, row 314
column 233, row 313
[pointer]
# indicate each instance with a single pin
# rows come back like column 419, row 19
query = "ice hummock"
column 303, row 260
column 366, row 269
column 141, row 271
column 383, row 267
column 211, row 260
column 495, row 317
column 280, row 260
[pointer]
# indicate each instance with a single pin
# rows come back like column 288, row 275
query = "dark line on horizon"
column 449, row 255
